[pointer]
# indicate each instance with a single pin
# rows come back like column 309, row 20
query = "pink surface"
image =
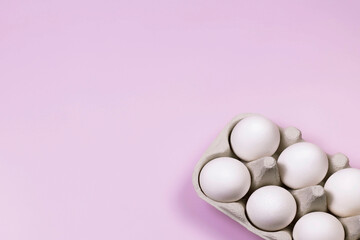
column 106, row 106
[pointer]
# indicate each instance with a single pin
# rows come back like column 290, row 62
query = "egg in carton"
column 264, row 172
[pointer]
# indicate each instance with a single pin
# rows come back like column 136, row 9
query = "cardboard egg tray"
column 264, row 171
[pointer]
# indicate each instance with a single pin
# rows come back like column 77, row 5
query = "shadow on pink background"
column 106, row 106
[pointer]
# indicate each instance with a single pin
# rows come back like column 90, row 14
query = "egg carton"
column 264, row 171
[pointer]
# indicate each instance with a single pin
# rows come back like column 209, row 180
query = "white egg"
column 318, row 226
column 225, row 179
column 302, row 165
column 343, row 192
column 254, row 137
column 271, row 208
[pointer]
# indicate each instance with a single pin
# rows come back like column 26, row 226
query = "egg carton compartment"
column 264, row 171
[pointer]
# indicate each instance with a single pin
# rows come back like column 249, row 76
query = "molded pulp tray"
column 264, row 171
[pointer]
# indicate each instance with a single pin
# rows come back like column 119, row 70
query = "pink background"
column 106, row 106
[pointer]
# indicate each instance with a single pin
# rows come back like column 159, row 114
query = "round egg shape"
column 254, row 137
column 343, row 192
column 318, row 226
column 225, row 179
column 302, row 165
column 271, row 208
